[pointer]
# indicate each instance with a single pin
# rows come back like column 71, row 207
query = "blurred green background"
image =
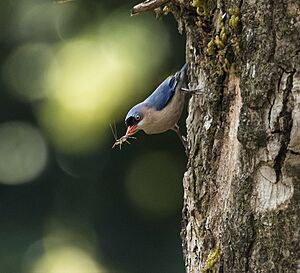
column 68, row 202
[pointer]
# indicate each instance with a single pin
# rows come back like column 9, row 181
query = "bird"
column 161, row 111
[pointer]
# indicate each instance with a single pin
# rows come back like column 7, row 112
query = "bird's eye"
column 137, row 117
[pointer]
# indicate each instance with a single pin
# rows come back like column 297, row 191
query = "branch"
column 147, row 5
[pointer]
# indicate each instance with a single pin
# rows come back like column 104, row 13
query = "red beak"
column 131, row 130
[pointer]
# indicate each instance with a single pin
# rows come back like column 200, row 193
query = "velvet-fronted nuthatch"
column 161, row 111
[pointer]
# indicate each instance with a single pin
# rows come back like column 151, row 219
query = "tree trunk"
column 241, row 187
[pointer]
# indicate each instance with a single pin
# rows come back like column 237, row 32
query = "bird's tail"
column 184, row 68
column 181, row 75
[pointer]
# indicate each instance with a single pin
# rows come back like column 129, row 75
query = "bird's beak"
column 131, row 130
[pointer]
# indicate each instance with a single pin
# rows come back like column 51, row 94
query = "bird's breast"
column 156, row 122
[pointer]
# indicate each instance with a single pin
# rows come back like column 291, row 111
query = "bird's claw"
column 185, row 145
column 196, row 91
column 182, row 138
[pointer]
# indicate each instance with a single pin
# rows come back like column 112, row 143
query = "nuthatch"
column 161, row 111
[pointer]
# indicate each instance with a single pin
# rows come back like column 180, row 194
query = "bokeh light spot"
column 66, row 259
column 40, row 18
column 154, row 184
column 25, row 70
column 92, row 77
column 23, row 153
column 65, row 249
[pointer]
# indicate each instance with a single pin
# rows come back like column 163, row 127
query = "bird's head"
column 134, row 119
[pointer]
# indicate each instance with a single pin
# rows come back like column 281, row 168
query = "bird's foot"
column 185, row 145
column 182, row 138
column 195, row 91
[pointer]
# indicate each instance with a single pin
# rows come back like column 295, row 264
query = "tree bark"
column 241, row 187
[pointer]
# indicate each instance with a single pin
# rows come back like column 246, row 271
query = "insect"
column 121, row 140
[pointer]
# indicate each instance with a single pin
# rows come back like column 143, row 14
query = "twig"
column 147, row 5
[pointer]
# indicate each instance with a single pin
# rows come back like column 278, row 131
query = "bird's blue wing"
column 163, row 94
column 165, row 91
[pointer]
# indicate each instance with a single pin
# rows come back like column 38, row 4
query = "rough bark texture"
column 241, row 188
